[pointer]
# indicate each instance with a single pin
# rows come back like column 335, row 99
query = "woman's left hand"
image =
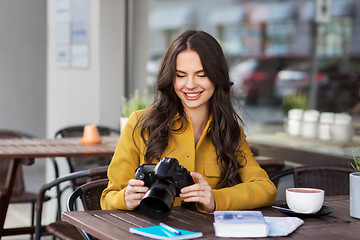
column 200, row 192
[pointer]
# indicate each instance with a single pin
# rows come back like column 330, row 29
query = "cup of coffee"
column 91, row 135
column 305, row 200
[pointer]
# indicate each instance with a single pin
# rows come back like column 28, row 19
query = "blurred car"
column 296, row 79
column 254, row 78
column 337, row 82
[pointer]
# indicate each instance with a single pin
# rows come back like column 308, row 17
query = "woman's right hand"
column 134, row 192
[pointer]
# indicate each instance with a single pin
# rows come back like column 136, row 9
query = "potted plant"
column 135, row 102
column 299, row 101
column 355, row 188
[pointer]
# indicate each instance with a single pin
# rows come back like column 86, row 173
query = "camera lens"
column 158, row 201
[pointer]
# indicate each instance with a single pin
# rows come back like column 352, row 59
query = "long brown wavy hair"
column 156, row 124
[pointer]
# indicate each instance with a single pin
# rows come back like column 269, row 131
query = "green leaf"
column 356, row 164
column 297, row 101
column 134, row 103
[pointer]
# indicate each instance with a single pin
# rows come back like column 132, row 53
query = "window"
column 279, row 37
column 334, row 37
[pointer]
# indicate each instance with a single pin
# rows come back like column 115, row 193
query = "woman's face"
column 192, row 85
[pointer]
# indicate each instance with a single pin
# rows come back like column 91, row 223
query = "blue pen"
column 173, row 230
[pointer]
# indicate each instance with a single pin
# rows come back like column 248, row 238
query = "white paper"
column 79, row 55
column 79, row 33
column 80, row 16
column 62, row 11
column 80, row 11
column 62, row 33
column 62, row 55
column 282, row 226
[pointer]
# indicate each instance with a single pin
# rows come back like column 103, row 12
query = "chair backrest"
column 334, row 179
column 97, row 173
column 81, row 163
column 90, row 174
column 77, row 131
column 19, row 185
column 271, row 166
column 89, row 193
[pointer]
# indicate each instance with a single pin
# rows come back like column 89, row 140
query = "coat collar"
column 189, row 128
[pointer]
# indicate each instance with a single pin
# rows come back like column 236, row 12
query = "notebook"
column 240, row 224
column 159, row 232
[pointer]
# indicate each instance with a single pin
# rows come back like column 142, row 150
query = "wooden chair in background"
column 58, row 228
column 89, row 194
column 333, row 179
column 19, row 194
column 82, row 163
column 79, row 163
column 271, row 166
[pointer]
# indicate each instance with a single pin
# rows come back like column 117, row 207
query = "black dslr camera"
column 165, row 181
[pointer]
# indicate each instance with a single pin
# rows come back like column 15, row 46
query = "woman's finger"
column 200, row 192
column 134, row 192
column 201, row 185
column 198, row 176
column 136, row 182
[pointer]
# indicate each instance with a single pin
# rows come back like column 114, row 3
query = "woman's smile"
column 193, row 95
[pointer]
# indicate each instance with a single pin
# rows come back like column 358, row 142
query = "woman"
column 191, row 119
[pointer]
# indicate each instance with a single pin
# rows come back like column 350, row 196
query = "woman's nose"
column 190, row 82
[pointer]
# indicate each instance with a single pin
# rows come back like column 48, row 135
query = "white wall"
column 23, row 66
column 93, row 94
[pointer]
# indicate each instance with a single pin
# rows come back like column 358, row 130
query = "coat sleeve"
column 255, row 190
column 122, row 167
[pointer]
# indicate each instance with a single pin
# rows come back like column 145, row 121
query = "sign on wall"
column 71, row 33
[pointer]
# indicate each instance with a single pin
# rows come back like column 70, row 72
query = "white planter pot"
column 309, row 129
column 122, row 122
column 355, row 194
column 293, row 127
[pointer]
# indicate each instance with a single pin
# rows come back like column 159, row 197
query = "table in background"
column 115, row 224
column 24, row 151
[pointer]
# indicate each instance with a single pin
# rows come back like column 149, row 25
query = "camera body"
column 167, row 169
column 164, row 180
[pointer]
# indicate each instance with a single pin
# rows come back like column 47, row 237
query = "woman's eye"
column 180, row 76
column 202, row 75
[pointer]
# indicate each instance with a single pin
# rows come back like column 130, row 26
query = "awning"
column 169, row 17
column 227, row 15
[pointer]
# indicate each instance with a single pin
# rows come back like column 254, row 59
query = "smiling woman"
column 192, row 119
column 192, row 86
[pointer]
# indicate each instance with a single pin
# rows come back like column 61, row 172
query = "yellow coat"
column 255, row 189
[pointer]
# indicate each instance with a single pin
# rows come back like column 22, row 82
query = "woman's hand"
column 134, row 192
column 200, row 192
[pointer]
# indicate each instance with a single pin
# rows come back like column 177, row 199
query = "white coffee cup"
column 305, row 200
